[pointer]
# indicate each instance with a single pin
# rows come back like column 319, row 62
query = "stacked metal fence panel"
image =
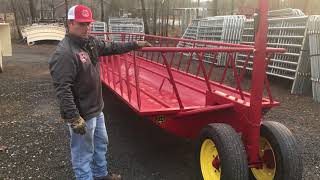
column 190, row 33
column 211, row 29
column 99, row 27
column 233, row 29
column 219, row 28
column 288, row 28
column 314, row 40
column 289, row 33
column 186, row 15
column 289, row 12
column 232, row 33
column 129, row 25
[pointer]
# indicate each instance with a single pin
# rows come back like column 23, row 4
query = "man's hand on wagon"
column 142, row 44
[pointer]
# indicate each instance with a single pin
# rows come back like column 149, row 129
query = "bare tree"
column 13, row 7
column 215, row 7
column 144, row 15
column 66, row 8
column 41, row 9
column 167, row 16
column 22, row 13
column 173, row 16
column 102, row 11
column 198, row 9
column 162, row 18
column 32, row 10
column 232, row 7
column 155, row 9
column 53, row 9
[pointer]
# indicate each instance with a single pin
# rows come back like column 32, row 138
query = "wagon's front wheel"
column 279, row 152
column 220, row 154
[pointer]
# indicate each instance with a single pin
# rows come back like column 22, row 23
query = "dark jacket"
column 74, row 67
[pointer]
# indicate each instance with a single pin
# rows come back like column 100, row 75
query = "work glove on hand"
column 142, row 44
column 78, row 125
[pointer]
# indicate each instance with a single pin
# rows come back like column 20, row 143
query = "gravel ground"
column 34, row 141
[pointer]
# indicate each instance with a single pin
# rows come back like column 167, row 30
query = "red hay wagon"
column 173, row 88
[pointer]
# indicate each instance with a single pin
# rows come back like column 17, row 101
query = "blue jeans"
column 88, row 151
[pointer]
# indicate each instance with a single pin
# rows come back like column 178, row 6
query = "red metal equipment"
column 173, row 88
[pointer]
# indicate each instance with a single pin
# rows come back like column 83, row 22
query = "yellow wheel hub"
column 268, row 170
column 209, row 161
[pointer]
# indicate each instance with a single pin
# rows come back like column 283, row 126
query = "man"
column 75, row 71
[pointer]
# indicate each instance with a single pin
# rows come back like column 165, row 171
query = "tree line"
column 159, row 16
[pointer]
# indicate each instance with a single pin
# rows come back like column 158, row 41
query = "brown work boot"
column 110, row 176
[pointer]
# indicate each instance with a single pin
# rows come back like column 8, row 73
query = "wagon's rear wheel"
column 279, row 152
column 221, row 154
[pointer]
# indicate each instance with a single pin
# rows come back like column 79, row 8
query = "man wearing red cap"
column 75, row 71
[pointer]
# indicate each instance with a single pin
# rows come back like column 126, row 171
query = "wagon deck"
column 154, row 92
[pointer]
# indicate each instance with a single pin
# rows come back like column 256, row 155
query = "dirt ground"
column 34, row 141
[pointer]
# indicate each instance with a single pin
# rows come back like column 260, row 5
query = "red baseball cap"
column 80, row 13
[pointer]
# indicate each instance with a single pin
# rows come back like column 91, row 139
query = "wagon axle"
column 216, row 162
column 268, row 159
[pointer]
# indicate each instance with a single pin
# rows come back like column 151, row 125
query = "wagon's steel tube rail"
column 137, row 80
column 172, row 81
column 214, row 43
column 212, row 50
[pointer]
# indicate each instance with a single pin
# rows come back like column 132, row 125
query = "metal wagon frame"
column 172, row 87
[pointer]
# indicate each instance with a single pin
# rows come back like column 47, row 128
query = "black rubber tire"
column 232, row 154
column 286, row 149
